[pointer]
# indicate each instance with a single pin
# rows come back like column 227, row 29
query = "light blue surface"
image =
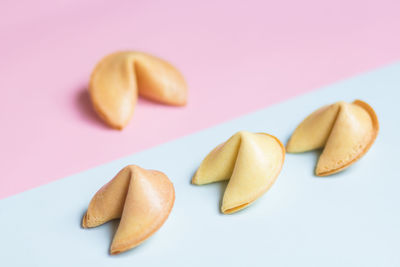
column 349, row 219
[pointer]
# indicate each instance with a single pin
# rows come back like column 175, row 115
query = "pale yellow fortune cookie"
column 345, row 131
column 251, row 162
column 118, row 78
column 143, row 199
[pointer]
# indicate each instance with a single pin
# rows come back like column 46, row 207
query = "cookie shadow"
column 84, row 105
column 221, row 188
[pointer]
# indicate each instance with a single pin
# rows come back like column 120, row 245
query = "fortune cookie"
column 250, row 161
column 143, row 199
column 118, row 78
column 345, row 132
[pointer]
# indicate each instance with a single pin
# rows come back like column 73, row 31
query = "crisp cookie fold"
column 118, row 78
column 250, row 161
column 345, row 131
column 142, row 199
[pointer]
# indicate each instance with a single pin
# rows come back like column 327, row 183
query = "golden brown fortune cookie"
column 250, row 161
column 345, row 131
column 118, row 78
column 143, row 199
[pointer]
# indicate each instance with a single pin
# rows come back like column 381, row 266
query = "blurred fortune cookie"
column 143, row 199
column 345, row 131
column 119, row 78
column 250, row 161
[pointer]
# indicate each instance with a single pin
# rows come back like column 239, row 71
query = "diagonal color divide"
column 349, row 219
column 237, row 57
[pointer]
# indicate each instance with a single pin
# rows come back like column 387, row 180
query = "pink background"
column 237, row 56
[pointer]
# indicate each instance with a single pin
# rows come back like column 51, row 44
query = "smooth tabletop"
column 348, row 219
